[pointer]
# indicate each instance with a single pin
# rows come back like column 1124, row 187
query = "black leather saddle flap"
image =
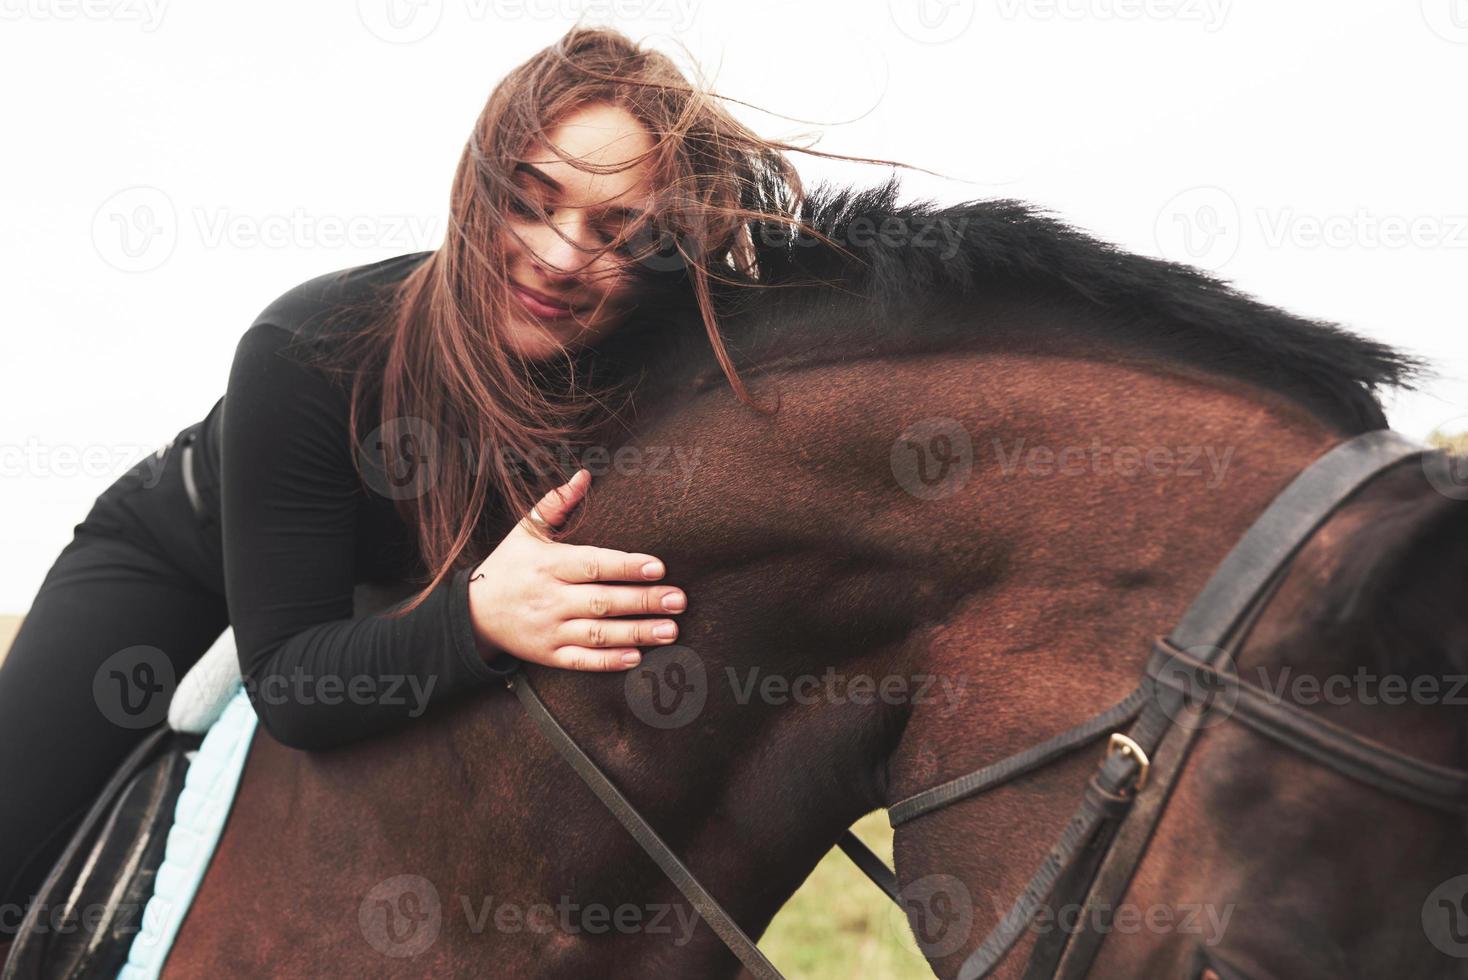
column 83, row 920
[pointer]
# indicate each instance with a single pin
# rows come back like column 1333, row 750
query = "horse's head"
column 1306, row 872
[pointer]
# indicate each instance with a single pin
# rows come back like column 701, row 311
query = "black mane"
column 923, row 285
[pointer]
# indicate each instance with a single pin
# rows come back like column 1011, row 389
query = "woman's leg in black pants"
column 113, row 627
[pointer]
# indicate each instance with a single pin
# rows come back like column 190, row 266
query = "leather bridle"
column 1092, row 862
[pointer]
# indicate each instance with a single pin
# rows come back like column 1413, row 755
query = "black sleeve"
column 289, row 498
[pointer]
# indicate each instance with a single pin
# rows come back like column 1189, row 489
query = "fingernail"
column 665, row 631
column 652, row 569
column 673, row 601
column 631, row 659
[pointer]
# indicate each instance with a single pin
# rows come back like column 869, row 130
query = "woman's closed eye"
column 522, row 208
column 607, row 234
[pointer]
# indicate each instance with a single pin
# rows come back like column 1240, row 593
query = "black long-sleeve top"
column 299, row 531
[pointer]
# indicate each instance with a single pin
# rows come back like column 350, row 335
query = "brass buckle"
column 1126, row 745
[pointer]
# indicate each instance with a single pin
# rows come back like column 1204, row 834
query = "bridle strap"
column 871, row 865
column 1106, row 801
column 720, row 921
column 1290, row 520
column 1014, row 766
column 1067, row 956
column 1329, row 744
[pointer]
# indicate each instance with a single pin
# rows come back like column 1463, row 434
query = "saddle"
column 83, row 919
column 90, row 906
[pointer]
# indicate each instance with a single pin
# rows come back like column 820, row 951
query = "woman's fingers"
column 599, row 633
column 585, row 658
column 587, row 563
column 556, row 506
column 589, row 639
column 591, row 601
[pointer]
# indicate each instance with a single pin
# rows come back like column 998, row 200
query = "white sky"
column 1312, row 152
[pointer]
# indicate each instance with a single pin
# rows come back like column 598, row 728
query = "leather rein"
column 1092, row 861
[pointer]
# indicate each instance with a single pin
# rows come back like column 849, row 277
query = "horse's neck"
column 996, row 609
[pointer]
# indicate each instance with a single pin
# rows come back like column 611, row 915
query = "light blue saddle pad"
column 198, row 820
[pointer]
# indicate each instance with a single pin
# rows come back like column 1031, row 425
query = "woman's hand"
column 549, row 603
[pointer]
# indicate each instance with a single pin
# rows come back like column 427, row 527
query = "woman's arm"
column 289, row 498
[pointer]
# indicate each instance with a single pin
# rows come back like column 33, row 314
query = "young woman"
column 376, row 422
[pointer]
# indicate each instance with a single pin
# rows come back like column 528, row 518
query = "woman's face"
column 556, row 288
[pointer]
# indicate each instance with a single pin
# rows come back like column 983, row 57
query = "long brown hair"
column 453, row 401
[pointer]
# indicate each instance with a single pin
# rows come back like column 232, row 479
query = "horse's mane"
column 921, row 285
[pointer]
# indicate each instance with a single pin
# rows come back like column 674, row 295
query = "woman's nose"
column 559, row 258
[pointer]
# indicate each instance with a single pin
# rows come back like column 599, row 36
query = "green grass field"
column 1456, row 444
column 839, row 925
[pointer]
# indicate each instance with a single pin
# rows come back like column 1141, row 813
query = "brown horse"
column 1005, row 457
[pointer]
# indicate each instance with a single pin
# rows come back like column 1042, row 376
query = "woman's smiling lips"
column 542, row 305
